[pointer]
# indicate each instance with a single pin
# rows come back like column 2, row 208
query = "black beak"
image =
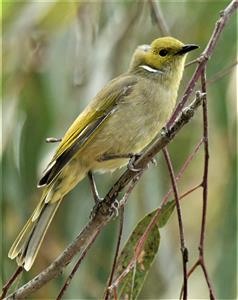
column 186, row 49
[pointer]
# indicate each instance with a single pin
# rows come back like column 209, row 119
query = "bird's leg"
column 98, row 199
column 93, row 186
column 53, row 140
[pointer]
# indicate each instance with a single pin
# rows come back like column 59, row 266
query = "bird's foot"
column 164, row 132
column 131, row 163
column 114, row 208
column 134, row 158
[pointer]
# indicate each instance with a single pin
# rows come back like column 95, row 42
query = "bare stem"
column 121, row 218
column 183, row 248
column 70, row 277
column 205, row 184
column 184, row 166
column 11, row 280
column 197, row 263
column 192, row 62
column 190, row 191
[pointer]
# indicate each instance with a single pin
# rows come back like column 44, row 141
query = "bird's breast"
column 133, row 125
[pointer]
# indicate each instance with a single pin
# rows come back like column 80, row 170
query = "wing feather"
column 83, row 128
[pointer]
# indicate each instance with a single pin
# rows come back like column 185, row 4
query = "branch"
column 73, row 272
column 121, row 220
column 11, row 280
column 184, row 250
column 205, row 184
column 103, row 214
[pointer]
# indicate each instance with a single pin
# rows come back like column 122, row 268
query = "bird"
column 120, row 121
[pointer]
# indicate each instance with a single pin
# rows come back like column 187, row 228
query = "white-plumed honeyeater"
column 122, row 119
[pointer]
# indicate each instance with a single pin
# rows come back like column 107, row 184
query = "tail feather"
column 28, row 242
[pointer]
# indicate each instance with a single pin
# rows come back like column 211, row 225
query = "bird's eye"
column 163, row 52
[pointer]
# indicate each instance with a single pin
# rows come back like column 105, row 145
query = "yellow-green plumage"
column 123, row 118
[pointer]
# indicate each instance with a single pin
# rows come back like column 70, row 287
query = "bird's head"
column 163, row 56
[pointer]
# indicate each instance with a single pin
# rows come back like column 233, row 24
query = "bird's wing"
column 83, row 128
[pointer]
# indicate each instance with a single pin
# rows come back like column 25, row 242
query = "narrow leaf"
column 165, row 213
column 132, row 283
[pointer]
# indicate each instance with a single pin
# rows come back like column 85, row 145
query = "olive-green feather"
column 84, row 127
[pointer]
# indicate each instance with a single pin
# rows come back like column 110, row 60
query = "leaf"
column 165, row 213
column 132, row 283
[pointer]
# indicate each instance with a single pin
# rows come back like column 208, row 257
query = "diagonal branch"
column 121, row 217
column 183, row 249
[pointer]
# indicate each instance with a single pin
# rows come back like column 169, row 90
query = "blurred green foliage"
column 56, row 55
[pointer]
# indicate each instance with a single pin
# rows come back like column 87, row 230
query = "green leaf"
column 132, row 283
column 165, row 213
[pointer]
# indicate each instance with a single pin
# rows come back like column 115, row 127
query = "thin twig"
column 192, row 62
column 11, row 280
column 205, row 184
column 71, row 275
column 183, row 248
column 184, row 166
column 197, row 263
column 159, row 18
column 190, row 191
column 121, row 220
column 115, row 293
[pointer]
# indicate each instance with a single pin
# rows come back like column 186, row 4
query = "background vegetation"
column 56, row 56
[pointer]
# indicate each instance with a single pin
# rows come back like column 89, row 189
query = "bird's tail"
column 28, row 242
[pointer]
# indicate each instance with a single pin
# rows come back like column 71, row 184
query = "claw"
column 131, row 164
column 154, row 161
column 164, row 131
column 132, row 160
column 115, row 208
